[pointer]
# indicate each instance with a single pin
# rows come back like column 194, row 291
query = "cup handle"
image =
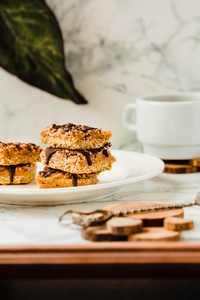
column 126, row 116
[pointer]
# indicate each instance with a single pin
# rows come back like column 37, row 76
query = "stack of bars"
column 75, row 156
column 18, row 162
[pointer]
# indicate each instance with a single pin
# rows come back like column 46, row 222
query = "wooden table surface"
column 102, row 260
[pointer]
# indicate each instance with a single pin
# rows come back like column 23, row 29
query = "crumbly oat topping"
column 72, row 127
column 73, row 136
column 20, row 147
column 19, row 153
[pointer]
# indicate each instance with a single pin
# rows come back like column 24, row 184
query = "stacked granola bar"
column 75, row 156
column 18, row 162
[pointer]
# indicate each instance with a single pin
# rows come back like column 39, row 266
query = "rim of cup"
column 175, row 98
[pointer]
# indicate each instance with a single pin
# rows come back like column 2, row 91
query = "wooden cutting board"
column 155, row 234
column 154, row 218
column 100, row 234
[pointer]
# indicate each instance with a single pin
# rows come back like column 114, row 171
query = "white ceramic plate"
column 130, row 168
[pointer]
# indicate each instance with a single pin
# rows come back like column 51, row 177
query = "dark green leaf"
column 31, row 47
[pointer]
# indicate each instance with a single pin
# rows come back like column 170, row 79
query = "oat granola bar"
column 51, row 178
column 19, row 153
column 16, row 174
column 72, row 136
column 78, row 161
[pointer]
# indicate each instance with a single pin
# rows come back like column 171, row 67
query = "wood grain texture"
column 102, row 253
column 155, row 234
column 124, row 226
column 195, row 162
column 179, row 169
column 178, row 224
column 149, row 219
column 99, row 234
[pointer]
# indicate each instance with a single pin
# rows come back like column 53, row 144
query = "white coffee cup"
column 168, row 125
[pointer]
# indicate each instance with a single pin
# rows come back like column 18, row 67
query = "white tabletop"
column 21, row 225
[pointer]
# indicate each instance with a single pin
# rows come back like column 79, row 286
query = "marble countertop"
column 21, row 225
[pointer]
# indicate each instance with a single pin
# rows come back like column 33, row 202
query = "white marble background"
column 116, row 50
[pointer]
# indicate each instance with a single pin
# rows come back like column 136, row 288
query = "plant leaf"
column 31, row 47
